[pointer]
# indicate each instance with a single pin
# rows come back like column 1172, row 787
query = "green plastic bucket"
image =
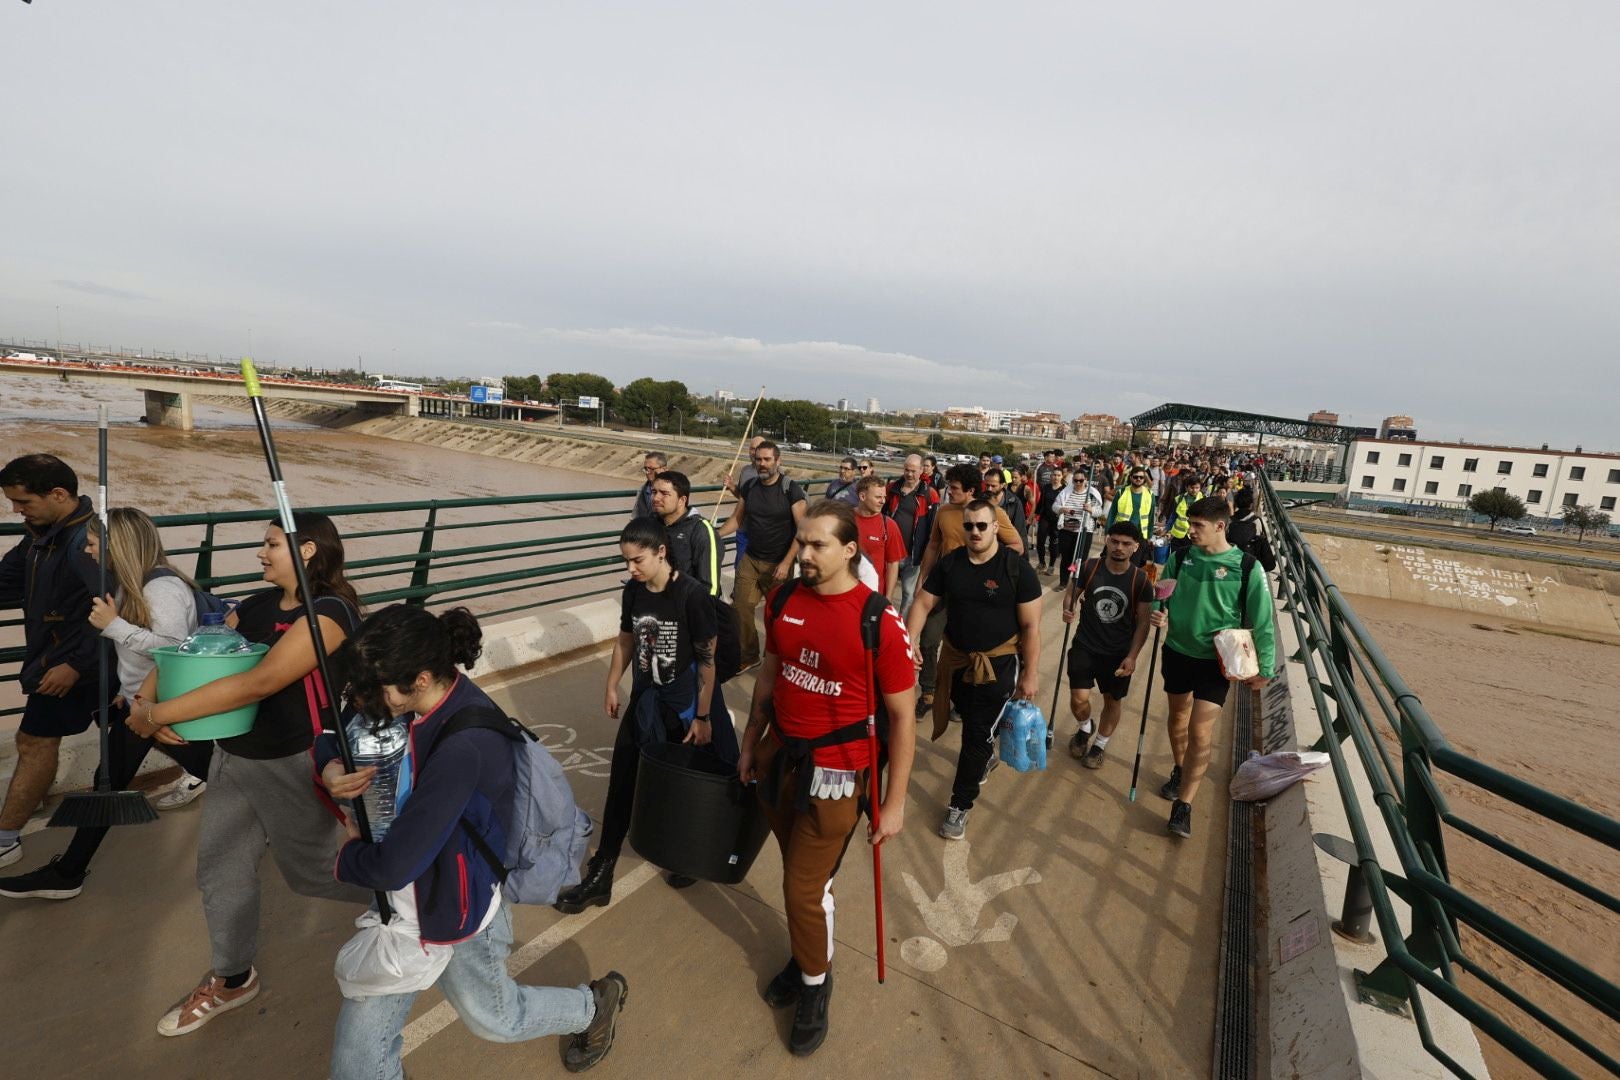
column 179, row 673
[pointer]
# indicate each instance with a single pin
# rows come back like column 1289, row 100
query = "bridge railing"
column 1410, row 765
column 500, row 555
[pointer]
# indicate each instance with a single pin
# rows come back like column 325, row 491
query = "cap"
column 996, row 458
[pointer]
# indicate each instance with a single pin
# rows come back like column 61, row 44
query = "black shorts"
column 1087, row 667
column 1203, row 679
column 58, row 717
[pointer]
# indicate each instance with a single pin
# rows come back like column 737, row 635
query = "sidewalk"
column 1068, row 936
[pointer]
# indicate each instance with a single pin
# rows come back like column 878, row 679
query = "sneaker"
column 1172, row 786
column 1078, row 744
column 1181, row 820
column 1093, row 758
column 180, row 794
column 49, row 882
column 11, row 852
column 810, row 1019
column 954, row 827
column 783, row 990
column 207, row 1001
column 591, row 1045
column 989, row 767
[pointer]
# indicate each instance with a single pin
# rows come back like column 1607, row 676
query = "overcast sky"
column 1373, row 208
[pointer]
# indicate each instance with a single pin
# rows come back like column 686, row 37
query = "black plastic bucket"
column 693, row 817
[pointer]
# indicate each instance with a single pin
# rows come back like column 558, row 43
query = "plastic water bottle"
column 213, row 638
column 381, row 745
column 1023, row 735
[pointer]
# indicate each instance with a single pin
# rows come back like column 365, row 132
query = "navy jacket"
column 471, row 774
column 50, row 577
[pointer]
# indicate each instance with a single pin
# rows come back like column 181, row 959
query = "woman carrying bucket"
column 403, row 663
column 152, row 606
column 667, row 632
column 261, row 783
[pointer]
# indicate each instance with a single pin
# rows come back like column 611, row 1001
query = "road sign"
column 590, row 402
column 486, row 395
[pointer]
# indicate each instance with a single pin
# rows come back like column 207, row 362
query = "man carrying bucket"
column 815, row 690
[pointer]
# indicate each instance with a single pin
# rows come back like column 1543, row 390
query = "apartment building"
column 1547, row 480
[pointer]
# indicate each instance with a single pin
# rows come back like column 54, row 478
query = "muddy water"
column 221, row 467
column 1541, row 708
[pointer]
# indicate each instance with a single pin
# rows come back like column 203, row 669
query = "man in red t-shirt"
column 814, row 763
column 880, row 537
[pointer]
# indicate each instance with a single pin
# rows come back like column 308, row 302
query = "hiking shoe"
column 594, row 890
column 49, row 882
column 783, row 990
column 1180, row 820
column 208, row 1000
column 954, row 827
column 591, row 1045
column 1093, row 758
column 810, row 1020
column 1078, row 744
column 11, row 852
column 680, row 881
column 1172, row 786
column 180, row 794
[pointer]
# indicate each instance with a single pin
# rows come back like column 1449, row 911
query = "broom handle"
column 104, row 781
column 250, row 377
column 720, row 498
column 874, row 801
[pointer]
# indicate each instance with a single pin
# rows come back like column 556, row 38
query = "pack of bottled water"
column 1022, row 735
column 213, row 638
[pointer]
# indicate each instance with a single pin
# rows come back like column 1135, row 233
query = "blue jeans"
column 369, row 1037
column 909, row 573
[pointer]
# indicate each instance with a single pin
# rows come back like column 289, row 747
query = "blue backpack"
column 549, row 830
column 207, row 603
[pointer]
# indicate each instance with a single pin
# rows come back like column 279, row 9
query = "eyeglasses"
column 977, row 526
column 866, row 468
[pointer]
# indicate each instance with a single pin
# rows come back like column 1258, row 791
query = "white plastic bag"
column 389, row 958
column 1235, row 650
column 1264, row 775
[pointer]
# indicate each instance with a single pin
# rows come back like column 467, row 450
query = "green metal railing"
column 398, row 552
column 1336, row 651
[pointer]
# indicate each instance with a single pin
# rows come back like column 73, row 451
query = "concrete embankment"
column 541, row 446
column 1537, row 594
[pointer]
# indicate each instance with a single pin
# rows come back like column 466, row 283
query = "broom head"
column 102, row 810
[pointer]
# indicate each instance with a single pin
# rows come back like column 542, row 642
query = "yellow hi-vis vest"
column 1181, row 528
column 1125, row 509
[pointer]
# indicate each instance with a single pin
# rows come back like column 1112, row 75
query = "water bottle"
column 1023, row 736
column 380, row 744
column 213, row 638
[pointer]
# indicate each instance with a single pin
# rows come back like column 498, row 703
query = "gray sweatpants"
column 250, row 801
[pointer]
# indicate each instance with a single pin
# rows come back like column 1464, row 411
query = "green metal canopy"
column 1175, row 414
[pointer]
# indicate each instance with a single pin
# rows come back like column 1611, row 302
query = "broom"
column 102, row 807
column 250, row 378
column 720, row 498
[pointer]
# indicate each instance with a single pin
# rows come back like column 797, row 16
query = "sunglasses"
column 866, row 468
column 977, row 526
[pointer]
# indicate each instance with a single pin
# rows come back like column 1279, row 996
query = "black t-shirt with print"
column 1108, row 616
column 287, row 719
column 663, row 626
column 982, row 600
column 768, row 518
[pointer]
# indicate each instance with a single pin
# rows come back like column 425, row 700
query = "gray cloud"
column 92, row 288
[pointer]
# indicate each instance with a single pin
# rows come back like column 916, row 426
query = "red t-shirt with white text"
column 822, row 683
column 880, row 541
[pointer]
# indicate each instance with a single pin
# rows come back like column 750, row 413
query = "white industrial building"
column 1547, row 480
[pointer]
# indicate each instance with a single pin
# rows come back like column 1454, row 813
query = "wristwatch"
column 705, row 719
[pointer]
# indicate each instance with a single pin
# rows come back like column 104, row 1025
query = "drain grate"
column 1234, row 1057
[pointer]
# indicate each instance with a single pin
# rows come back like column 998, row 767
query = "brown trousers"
column 755, row 579
column 812, row 847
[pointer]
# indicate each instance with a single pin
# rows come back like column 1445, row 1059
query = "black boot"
column 783, row 989
column 594, row 889
column 810, row 1019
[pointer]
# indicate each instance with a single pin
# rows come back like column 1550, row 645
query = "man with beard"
column 1113, row 598
column 769, row 511
column 814, row 763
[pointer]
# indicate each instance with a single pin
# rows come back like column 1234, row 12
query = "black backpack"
column 207, row 603
column 1247, row 568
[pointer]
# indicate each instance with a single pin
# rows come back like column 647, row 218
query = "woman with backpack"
column 667, row 633
column 455, row 798
column 261, row 785
column 152, row 605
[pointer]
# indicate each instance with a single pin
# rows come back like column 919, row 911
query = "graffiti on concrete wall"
column 1445, row 574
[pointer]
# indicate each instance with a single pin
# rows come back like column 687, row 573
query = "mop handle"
column 874, row 803
column 250, row 378
column 104, row 781
column 720, row 498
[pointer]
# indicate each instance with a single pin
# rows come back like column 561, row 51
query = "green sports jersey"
column 1206, row 600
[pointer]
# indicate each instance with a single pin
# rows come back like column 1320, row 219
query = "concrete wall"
column 1543, row 594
